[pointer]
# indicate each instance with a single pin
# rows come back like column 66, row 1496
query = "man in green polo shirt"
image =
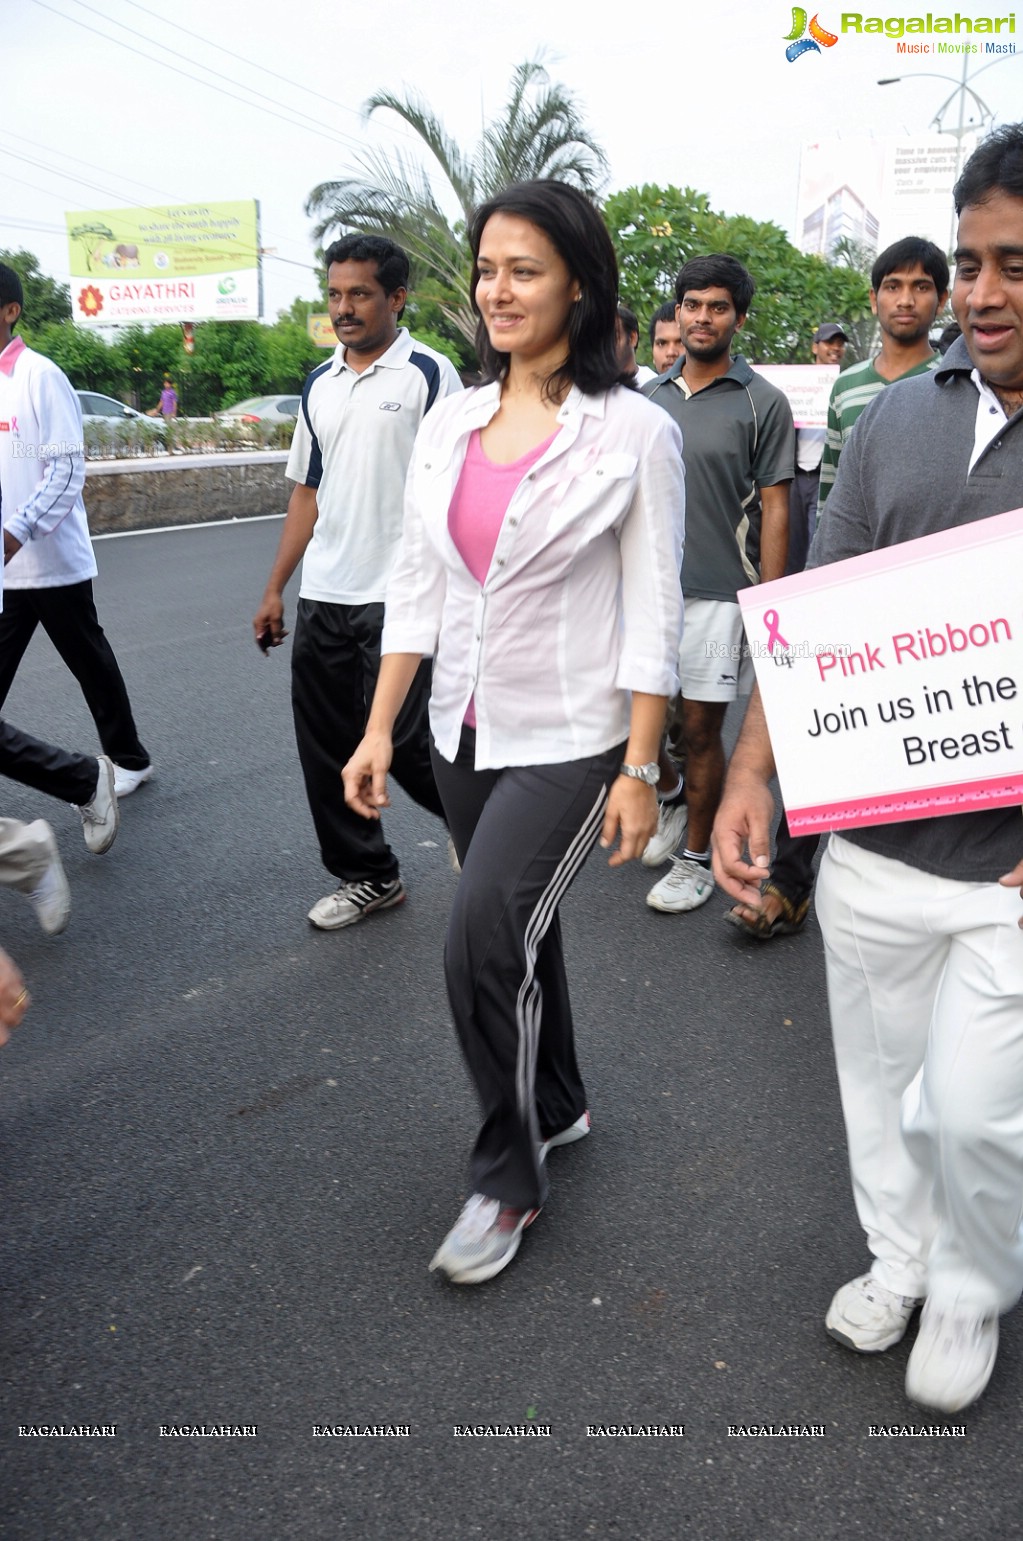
column 908, row 287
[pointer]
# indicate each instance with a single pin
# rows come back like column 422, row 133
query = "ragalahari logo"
column 805, row 39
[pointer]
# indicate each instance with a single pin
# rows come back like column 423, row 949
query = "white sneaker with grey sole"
column 868, row 1318
column 100, row 818
column 482, row 1241
column 51, row 896
column 672, row 819
column 128, row 781
column 577, row 1131
column 952, row 1358
column 688, row 885
column 354, row 901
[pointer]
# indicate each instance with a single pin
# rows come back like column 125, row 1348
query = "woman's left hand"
column 365, row 775
column 631, row 818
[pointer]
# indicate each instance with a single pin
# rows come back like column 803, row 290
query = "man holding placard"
column 924, row 958
column 908, row 287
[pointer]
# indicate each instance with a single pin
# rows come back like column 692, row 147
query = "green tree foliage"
column 147, row 354
column 290, row 354
column 656, row 229
column 300, row 310
column 231, row 361
column 864, row 334
column 426, row 320
column 540, row 133
column 45, row 299
column 88, row 235
column 85, row 358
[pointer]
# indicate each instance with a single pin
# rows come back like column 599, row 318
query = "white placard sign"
column 893, row 682
column 806, row 387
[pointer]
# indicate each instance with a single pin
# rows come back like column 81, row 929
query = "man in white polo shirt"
column 48, row 556
column 351, row 449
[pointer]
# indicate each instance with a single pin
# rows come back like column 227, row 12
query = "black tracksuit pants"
column 68, row 616
column 335, row 660
column 72, row 778
column 522, row 835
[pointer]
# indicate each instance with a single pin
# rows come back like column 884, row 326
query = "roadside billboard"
column 176, row 262
column 321, row 330
column 875, row 191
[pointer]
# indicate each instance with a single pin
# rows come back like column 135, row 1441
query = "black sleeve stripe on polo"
column 314, row 475
column 430, row 371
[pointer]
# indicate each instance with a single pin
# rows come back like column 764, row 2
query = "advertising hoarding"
column 175, row 262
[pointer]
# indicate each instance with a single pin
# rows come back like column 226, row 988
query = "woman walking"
column 540, row 567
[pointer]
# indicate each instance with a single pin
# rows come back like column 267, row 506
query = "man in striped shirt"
column 908, row 287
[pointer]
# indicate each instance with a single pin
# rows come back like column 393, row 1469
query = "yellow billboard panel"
column 321, row 330
column 176, row 262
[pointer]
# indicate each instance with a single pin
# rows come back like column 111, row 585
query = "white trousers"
column 24, row 853
column 925, row 984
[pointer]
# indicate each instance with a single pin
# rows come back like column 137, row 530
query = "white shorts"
column 713, row 661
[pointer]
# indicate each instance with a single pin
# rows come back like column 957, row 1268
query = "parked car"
column 105, row 409
column 264, row 409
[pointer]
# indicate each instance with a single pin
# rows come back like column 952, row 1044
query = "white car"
column 264, row 409
column 105, row 409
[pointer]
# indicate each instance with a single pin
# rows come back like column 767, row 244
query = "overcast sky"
column 701, row 96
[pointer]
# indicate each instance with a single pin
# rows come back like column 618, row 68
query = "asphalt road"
column 229, row 1145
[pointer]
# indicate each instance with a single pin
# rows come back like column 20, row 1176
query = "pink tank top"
column 478, row 506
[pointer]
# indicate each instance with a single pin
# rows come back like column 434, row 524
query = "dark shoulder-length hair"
column 575, row 229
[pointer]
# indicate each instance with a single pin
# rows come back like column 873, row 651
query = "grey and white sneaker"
column 482, row 1241
column 868, row 1318
column 952, row 1358
column 577, row 1131
column 688, row 885
column 51, row 897
column 672, row 819
column 100, row 818
column 354, row 901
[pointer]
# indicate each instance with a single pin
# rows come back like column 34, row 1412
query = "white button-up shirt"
column 582, row 603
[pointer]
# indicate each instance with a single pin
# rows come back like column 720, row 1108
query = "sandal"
column 791, row 918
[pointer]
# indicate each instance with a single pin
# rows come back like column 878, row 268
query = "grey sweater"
column 903, row 474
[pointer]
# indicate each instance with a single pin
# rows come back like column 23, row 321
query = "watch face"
column 650, row 773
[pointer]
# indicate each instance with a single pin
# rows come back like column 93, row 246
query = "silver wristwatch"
column 650, row 773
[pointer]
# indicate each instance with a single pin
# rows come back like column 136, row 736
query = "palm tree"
column 539, row 134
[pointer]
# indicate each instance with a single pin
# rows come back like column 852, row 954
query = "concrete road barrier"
column 184, row 489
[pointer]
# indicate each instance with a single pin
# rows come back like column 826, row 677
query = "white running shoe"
column 867, row 1317
column 128, row 781
column 952, row 1358
column 482, row 1241
column 51, row 897
column 577, row 1131
column 672, row 819
column 688, row 885
column 354, row 901
column 100, row 818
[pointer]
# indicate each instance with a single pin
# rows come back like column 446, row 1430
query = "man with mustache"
column 920, row 921
column 354, row 435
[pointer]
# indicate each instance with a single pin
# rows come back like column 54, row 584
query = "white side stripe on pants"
column 527, row 1006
